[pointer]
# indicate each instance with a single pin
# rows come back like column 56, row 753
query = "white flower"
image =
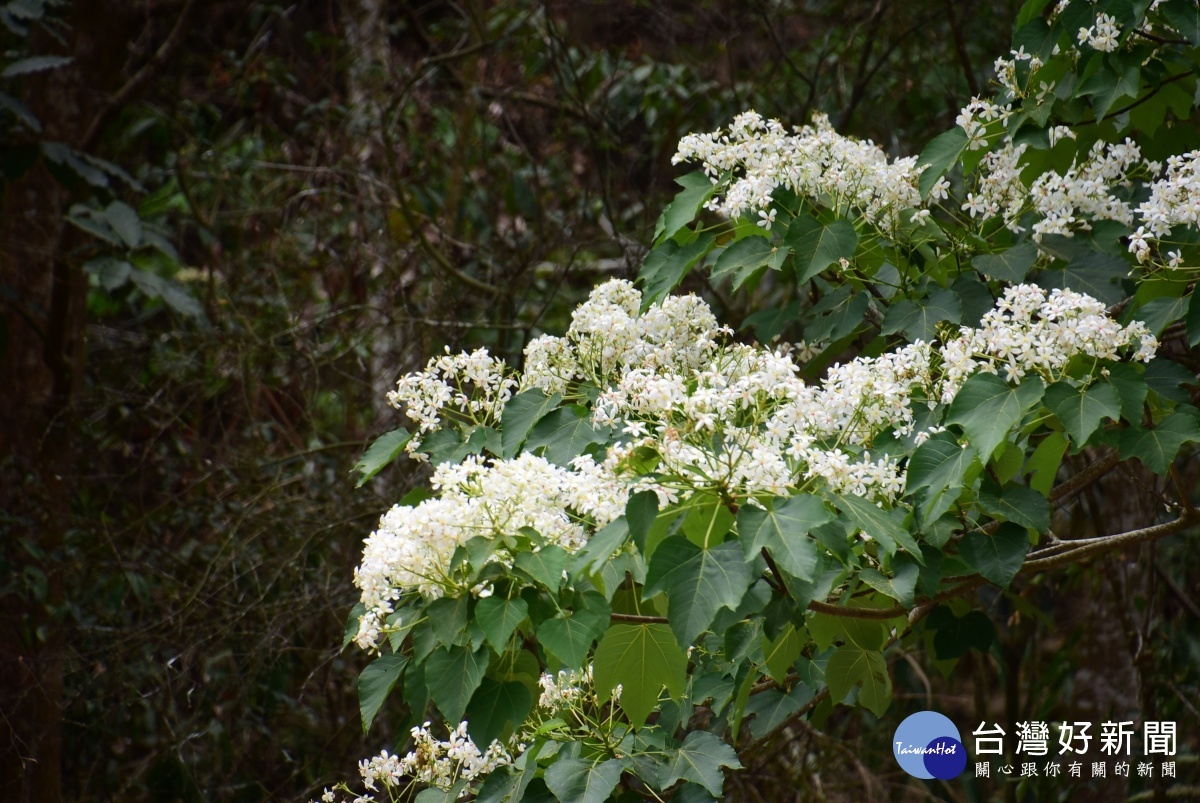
column 767, row 219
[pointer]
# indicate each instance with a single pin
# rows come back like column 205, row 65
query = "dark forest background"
column 226, row 228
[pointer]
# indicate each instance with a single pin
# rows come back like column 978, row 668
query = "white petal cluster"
column 433, row 762
column 1030, row 331
column 975, row 117
column 608, row 335
column 1104, row 34
column 412, row 550
column 1061, row 203
column 1174, row 201
column 755, row 156
column 721, row 416
column 565, row 689
column 468, row 387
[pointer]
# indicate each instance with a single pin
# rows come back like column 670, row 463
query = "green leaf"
column 741, row 259
column 885, row 526
column 919, row 321
column 125, row 222
column 1130, row 385
column 448, row 446
column 375, row 684
column 544, row 566
column 641, row 659
column 35, row 64
column 818, row 246
column 1159, row 313
column 850, row 666
column 1192, row 322
column 352, row 621
column 564, row 433
column 1166, row 378
column 697, row 188
column 1019, row 504
column 570, row 637
column 1094, row 272
column 600, row 547
column 641, row 511
column 783, row 528
column 94, row 227
column 707, row 523
column 520, row 415
column 666, row 266
column 987, row 407
column 1081, row 411
column 495, row 708
column 1011, row 265
column 577, row 780
column 498, row 618
column 940, row 155
column 770, row 322
column 382, row 451
column 111, row 273
column 996, row 557
column 771, row 708
column 780, row 653
column 953, row 636
column 1107, row 86
column 1044, row 462
column 699, row 760
column 698, row 583
column 1184, row 16
column 21, row 112
column 452, row 676
column 1157, row 447
column 940, row 462
column 900, row 586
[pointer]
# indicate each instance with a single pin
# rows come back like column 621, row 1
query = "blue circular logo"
column 928, row 745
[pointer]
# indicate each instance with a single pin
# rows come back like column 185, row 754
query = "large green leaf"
column 997, row 557
column 452, row 675
column 375, row 684
column 1081, row 411
column 641, row 659
column 901, row 586
column 1184, row 16
column 382, row 451
column 919, row 320
column 885, row 526
column 498, row 618
column 940, row 155
column 569, row 636
column 740, row 260
column 125, row 222
column 544, row 566
column 1011, row 265
column 699, row 759
column 497, row 708
column 818, row 245
column 1019, row 504
column 780, row 653
column 1157, row 447
column 940, row 462
column 1131, row 386
column 1094, row 272
column 577, row 780
column 665, row 267
column 850, row 666
column 783, row 527
column 697, row 188
column 698, row 583
column 987, row 407
column 520, row 415
column 564, row 433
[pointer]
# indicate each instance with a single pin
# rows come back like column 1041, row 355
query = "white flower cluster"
column 413, row 547
column 431, row 762
column 1032, row 332
column 471, row 387
column 1006, row 71
column 1103, row 35
column 565, row 689
column 608, row 335
column 974, row 118
column 727, row 417
column 1062, row 204
column 756, row 156
column 1174, row 201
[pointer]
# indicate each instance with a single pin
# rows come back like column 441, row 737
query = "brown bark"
column 43, row 312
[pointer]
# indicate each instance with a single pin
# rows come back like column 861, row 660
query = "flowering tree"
column 654, row 529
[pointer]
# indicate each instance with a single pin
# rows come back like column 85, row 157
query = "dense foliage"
column 653, row 531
